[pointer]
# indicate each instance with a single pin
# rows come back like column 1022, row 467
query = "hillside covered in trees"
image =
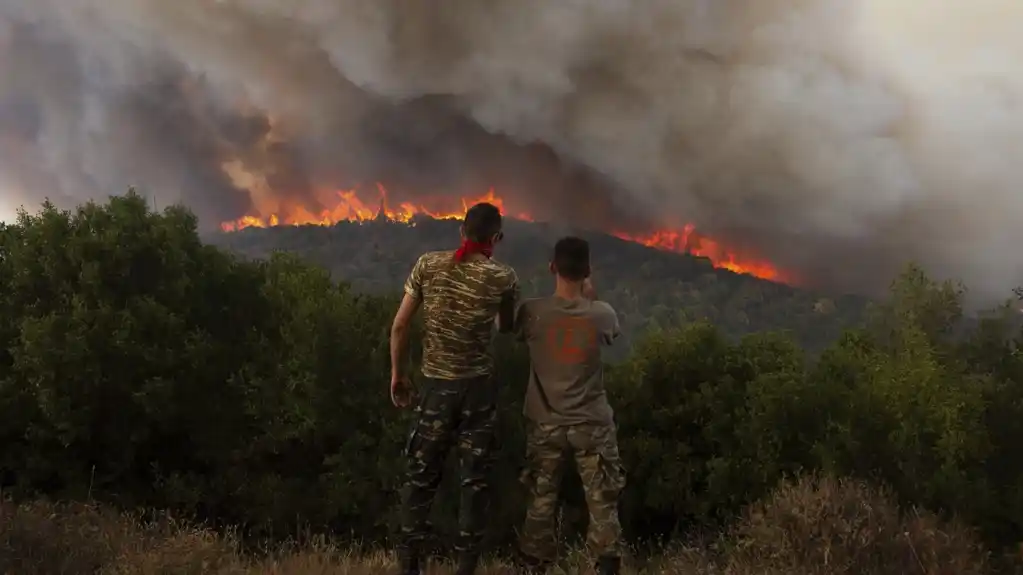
column 144, row 369
column 649, row 288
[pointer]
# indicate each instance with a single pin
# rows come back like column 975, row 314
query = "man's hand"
column 401, row 392
column 401, row 389
column 589, row 292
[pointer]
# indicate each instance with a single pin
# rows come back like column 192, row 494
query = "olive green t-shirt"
column 566, row 380
column 459, row 303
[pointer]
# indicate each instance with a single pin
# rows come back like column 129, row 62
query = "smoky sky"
column 836, row 138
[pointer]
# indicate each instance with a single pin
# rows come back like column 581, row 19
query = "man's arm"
column 520, row 325
column 522, row 321
column 403, row 320
column 400, row 334
column 509, row 305
column 610, row 328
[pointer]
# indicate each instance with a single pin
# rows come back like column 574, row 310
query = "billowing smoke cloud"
column 838, row 137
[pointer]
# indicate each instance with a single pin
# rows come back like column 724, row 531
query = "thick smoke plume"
column 839, row 137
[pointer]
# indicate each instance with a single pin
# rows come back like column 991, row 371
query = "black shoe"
column 609, row 566
column 408, row 562
column 467, row 564
column 530, row 565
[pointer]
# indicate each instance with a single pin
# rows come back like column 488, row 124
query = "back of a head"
column 572, row 258
column 482, row 222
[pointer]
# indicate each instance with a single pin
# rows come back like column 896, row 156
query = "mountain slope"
column 650, row 288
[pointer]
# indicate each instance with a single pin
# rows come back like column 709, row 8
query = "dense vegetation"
column 651, row 289
column 141, row 367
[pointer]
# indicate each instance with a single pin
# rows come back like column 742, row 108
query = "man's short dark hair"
column 572, row 258
column 482, row 222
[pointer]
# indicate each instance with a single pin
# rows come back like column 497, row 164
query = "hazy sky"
column 837, row 137
column 9, row 204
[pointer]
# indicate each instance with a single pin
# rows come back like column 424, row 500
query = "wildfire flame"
column 351, row 207
column 689, row 241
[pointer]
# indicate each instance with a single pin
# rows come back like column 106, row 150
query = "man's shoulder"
column 533, row 303
column 602, row 307
column 501, row 269
column 603, row 312
column 432, row 260
column 494, row 273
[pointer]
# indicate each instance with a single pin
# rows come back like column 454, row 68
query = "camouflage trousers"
column 450, row 413
column 595, row 449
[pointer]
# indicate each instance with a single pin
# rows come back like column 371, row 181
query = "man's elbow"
column 399, row 328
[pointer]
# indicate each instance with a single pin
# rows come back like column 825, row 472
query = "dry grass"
column 813, row 527
column 78, row 539
column 40, row 538
column 823, row 526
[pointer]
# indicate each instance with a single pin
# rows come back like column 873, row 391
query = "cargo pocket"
column 541, row 455
column 614, row 472
column 527, row 476
column 611, row 467
column 422, row 406
column 410, row 442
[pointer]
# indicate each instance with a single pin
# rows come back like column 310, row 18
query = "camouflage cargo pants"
column 451, row 413
column 595, row 448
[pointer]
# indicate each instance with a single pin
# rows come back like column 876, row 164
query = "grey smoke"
column 838, row 137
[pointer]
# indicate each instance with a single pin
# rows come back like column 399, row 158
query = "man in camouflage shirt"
column 461, row 292
column 567, row 411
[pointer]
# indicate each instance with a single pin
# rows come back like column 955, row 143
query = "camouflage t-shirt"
column 459, row 302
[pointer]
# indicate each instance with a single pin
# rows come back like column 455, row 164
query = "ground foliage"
column 815, row 526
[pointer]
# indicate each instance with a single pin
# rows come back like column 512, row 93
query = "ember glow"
column 354, row 206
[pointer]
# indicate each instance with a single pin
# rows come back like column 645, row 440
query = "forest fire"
column 689, row 241
column 353, row 207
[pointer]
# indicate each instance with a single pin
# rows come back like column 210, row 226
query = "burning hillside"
column 837, row 140
column 356, row 205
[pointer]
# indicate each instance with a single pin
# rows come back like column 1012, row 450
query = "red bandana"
column 469, row 247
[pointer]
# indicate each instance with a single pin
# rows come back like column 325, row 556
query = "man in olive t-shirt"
column 568, row 412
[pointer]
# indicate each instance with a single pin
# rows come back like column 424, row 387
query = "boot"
column 408, row 562
column 467, row 564
column 609, row 566
column 530, row 565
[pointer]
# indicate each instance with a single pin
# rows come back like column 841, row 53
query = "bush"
column 146, row 368
column 834, row 527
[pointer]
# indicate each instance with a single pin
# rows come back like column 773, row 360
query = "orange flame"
column 689, row 241
column 350, row 207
